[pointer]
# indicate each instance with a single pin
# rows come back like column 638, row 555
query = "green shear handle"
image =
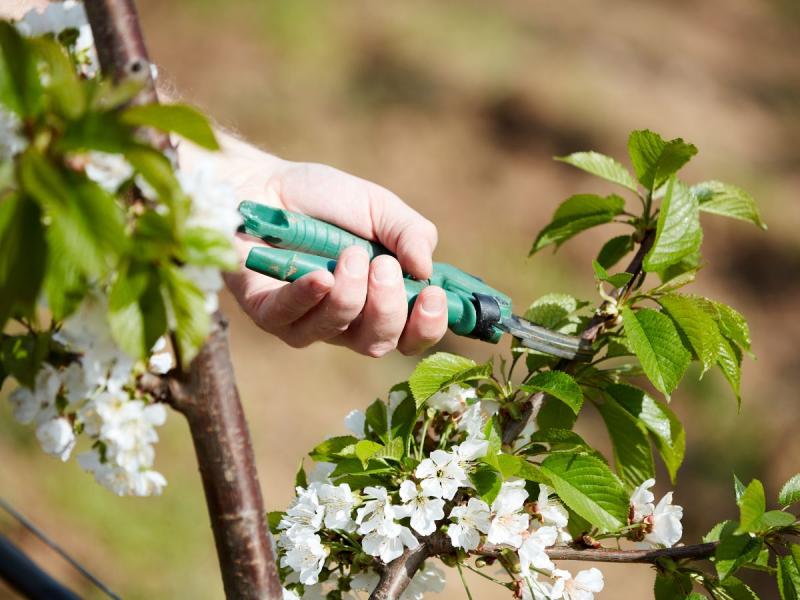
column 303, row 244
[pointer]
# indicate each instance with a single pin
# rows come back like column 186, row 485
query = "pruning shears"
column 300, row 244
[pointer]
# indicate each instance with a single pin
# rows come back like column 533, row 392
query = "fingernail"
column 356, row 264
column 386, row 271
column 432, row 304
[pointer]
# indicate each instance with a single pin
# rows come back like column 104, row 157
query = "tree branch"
column 396, row 576
column 207, row 396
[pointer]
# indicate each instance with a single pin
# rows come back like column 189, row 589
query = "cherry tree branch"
column 207, row 394
column 396, row 576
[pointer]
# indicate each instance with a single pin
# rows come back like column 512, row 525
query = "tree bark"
column 207, row 395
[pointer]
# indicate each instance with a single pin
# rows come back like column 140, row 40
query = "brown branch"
column 646, row 556
column 207, row 396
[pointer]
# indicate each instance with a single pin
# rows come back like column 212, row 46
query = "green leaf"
column 487, row 481
column 554, row 311
column 20, row 87
column 656, row 160
column 602, row 166
column 734, row 551
column 403, row 419
column 578, row 213
column 732, row 325
column 559, row 385
column 696, row 325
column 555, row 414
column 736, row 589
column 366, row 449
column 23, row 255
column 752, row 505
column 730, row 363
column 394, row 450
column 614, row 249
column 21, row 356
column 728, row 201
column 300, row 479
column 678, row 232
column 738, row 488
column 658, row 346
column 617, row 280
column 790, row 492
column 632, row 455
column 183, row 120
column 208, row 247
column 377, row 419
column 675, row 283
column 587, row 486
column 531, row 472
column 86, row 223
column 773, row 519
column 333, row 448
column 789, row 574
column 273, row 520
column 157, row 171
column 668, row 433
column 433, row 372
column 187, row 303
column 672, row 586
column 62, row 80
column 136, row 311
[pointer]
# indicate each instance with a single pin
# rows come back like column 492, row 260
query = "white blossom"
column 452, row 399
column 11, row 140
column 376, row 509
column 209, row 281
column 532, row 551
column 121, row 481
column 441, row 475
column 306, row 558
column 58, row 17
column 321, row 473
column 56, row 437
column 430, row 578
column 214, row 203
column 395, row 398
column 662, row 522
column 39, row 403
column 303, row 518
column 160, row 363
column 509, row 521
column 387, row 540
column 109, row 171
column 550, row 513
column 338, row 501
column 583, row 586
column 355, row 421
column 423, row 509
column 289, row 595
column 469, row 451
column 471, row 519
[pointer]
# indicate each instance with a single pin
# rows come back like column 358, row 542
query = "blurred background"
column 459, row 106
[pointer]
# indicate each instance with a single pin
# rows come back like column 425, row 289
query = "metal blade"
column 545, row 340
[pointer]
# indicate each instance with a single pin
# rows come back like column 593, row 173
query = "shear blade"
column 545, row 340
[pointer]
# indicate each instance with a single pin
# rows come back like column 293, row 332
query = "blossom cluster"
column 335, row 530
column 89, row 387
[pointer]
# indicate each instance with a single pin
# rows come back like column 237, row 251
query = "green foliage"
column 629, row 439
column 603, row 166
column 657, row 344
column 790, row 492
column 577, row 214
column 61, row 234
column 586, row 485
column 678, row 233
column 728, row 201
column 558, row 385
column 656, row 160
column 434, row 372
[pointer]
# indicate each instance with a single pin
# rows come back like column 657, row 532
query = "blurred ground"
column 458, row 107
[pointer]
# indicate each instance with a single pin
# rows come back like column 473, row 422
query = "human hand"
column 362, row 305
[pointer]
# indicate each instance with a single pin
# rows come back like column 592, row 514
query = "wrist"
column 243, row 166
